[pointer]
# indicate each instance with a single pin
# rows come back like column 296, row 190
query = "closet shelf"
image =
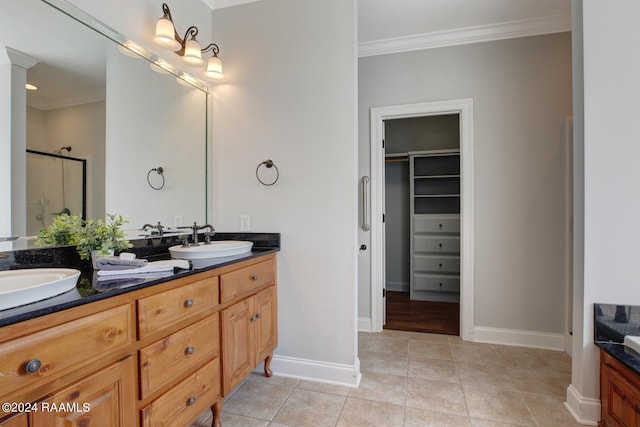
column 436, row 195
column 435, row 176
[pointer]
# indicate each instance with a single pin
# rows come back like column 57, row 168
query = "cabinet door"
column 266, row 323
column 620, row 399
column 104, row 399
column 238, row 351
column 19, row 420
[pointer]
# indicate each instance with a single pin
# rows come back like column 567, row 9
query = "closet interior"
column 422, row 223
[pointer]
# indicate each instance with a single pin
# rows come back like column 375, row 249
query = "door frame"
column 464, row 108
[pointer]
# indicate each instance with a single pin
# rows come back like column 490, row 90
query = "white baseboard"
column 313, row 370
column 397, row 286
column 585, row 410
column 519, row 338
column 364, row 324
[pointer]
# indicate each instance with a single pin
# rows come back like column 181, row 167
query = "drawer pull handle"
column 189, row 351
column 440, row 265
column 188, row 303
column 440, row 245
column 440, row 284
column 191, row 401
column 254, row 277
column 32, row 366
column 440, row 226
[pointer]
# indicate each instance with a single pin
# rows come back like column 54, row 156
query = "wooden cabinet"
column 435, row 225
column 18, row 420
column 619, row 394
column 249, row 326
column 150, row 357
column 105, row 398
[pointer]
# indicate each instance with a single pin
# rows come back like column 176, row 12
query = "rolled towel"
column 155, row 266
column 119, row 263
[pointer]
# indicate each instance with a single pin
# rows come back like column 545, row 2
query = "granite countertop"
column 611, row 324
column 89, row 289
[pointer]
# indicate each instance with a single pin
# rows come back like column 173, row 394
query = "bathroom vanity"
column 619, row 365
column 158, row 353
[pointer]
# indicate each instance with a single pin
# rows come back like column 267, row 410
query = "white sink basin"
column 19, row 287
column 214, row 249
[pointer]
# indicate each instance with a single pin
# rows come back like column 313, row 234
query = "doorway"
column 464, row 110
column 422, row 191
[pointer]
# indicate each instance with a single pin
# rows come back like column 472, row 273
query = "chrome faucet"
column 207, row 239
column 158, row 227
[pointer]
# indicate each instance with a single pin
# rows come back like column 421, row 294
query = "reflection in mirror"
column 115, row 113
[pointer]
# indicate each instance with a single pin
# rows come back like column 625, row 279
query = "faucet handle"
column 207, row 238
column 160, row 228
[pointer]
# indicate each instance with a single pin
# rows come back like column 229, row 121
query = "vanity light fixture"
column 29, row 86
column 187, row 47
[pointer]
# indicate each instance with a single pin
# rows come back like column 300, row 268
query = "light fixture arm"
column 213, row 48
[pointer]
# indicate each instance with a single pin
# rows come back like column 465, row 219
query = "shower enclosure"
column 56, row 183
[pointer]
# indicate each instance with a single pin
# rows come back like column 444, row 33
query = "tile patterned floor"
column 415, row 380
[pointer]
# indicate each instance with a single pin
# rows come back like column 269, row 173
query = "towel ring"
column 269, row 164
column 160, row 171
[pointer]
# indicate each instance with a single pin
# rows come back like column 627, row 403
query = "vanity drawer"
column 437, row 244
column 55, row 351
column 436, row 282
column 437, row 263
column 167, row 358
column 185, row 402
column 163, row 310
column 244, row 280
column 436, row 224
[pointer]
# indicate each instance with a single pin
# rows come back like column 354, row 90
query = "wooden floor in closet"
column 404, row 314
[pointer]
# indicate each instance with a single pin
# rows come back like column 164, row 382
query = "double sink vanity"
column 154, row 351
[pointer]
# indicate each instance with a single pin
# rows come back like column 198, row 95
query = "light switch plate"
column 245, row 223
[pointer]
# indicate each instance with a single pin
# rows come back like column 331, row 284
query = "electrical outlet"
column 245, row 223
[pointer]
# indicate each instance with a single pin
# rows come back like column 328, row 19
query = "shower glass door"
column 55, row 184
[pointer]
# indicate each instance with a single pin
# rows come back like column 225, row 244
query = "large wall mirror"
column 102, row 105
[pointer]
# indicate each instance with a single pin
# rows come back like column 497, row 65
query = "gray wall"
column 522, row 94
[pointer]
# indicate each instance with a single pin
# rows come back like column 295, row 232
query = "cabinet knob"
column 440, row 245
column 254, row 277
column 440, row 265
column 258, row 316
column 189, row 351
column 440, row 226
column 440, row 284
column 32, row 366
column 191, row 401
column 188, row 303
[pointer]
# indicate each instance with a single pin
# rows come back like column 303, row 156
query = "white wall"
column 611, row 203
column 290, row 97
column 521, row 90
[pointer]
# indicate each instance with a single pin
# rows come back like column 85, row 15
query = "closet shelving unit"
column 434, row 182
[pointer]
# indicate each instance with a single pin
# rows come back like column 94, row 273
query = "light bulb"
column 192, row 54
column 214, row 68
column 165, row 35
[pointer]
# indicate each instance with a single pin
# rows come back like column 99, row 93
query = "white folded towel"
column 151, row 267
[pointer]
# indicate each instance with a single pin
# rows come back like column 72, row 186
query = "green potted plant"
column 62, row 232
column 102, row 238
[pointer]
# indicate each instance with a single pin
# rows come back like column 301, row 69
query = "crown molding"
column 468, row 35
column 12, row 56
column 98, row 95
